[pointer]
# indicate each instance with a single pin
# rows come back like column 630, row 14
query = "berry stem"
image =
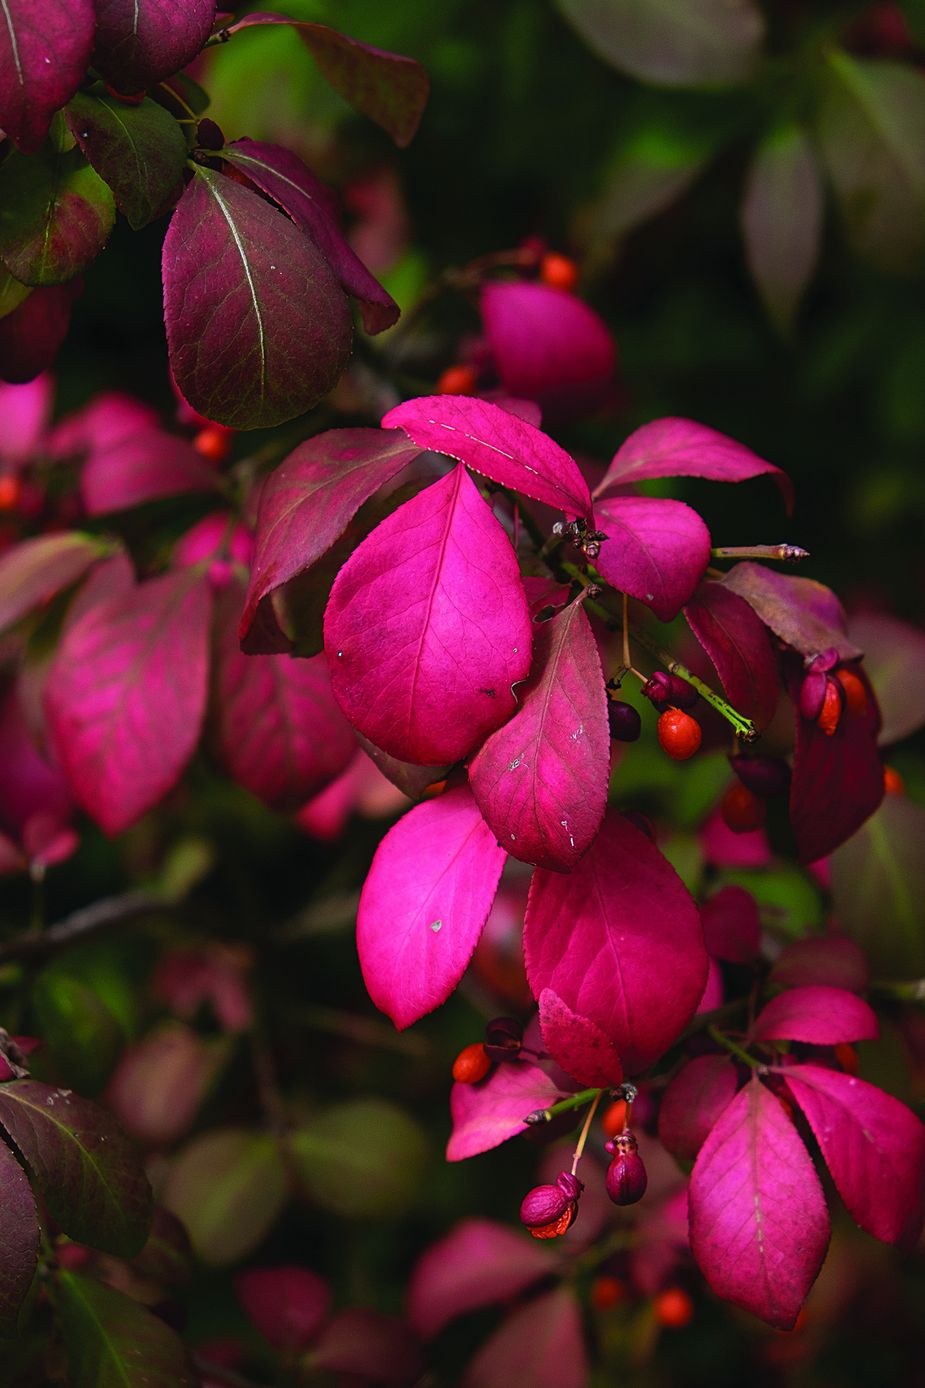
column 546, row 1115
column 586, row 1128
column 734, row 1048
column 627, row 661
column 787, row 554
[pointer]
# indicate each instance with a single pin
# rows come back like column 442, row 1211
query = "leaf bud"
column 547, row 1211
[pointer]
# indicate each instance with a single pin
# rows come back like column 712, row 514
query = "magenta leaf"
column 138, row 150
column 19, row 1240
column 497, row 444
column 425, row 900
column 364, row 1344
column 276, row 727
column 288, row 1304
column 833, row 960
column 894, row 658
column 487, row 1114
column 140, row 41
column 44, row 48
column 759, row 1227
column 693, row 1103
column 782, row 215
column 803, row 613
column 257, row 326
column 577, row 1044
column 548, row 346
column 818, row 1014
column 87, row 1171
column 837, row 779
column 732, row 925
column 283, row 177
column 25, row 412
column 478, row 1263
column 683, row 448
column 657, row 551
column 309, row 500
column 542, row 1344
column 739, row 646
column 32, row 334
column 873, row 1145
column 112, row 1339
column 106, row 419
column 388, row 88
column 35, row 806
column 34, row 571
column 140, row 467
column 427, row 629
column 620, row 942
column 126, row 696
column 541, row 779
column 56, row 214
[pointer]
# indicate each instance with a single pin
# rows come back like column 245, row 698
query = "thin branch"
column 89, row 921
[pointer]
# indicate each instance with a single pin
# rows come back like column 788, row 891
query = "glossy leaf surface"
column 44, row 47
column 577, row 1044
column 488, row 1113
column 140, row 41
column 693, row 1103
column 738, row 644
column 818, row 1014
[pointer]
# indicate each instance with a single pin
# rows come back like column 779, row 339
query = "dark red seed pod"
column 625, row 723
column 657, row 689
column 626, row 1178
column 503, row 1039
column 764, row 776
column 547, row 1211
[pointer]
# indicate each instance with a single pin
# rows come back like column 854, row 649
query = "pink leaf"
column 141, row 467
column 425, row 900
column 140, row 41
column 693, row 1103
column 874, row 1147
column 497, row 444
column 25, row 412
column 309, row 500
column 834, row 960
column 577, row 1044
column 739, row 646
column 657, row 551
column 126, row 696
column 367, row 1345
column 288, row 1304
column 549, row 346
column 44, row 48
column 33, row 793
column 388, row 88
column 683, row 448
column 541, row 779
column 33, row 572
column 723, row 847
column 732, row 925
column 478, row 1263
column 276, row 727
column 620, row 942
column 803, row 613
column 427, row 628
column 487, row 1114
column 283, row 177
column 541, row 1344
column 817, row 1014
column 759, row 1226
column 105, row 420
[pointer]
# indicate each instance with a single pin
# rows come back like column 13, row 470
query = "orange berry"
column 472, row 1064
column 214, row 442
column 847, row 1057
column 457, row 380
column 673, row 1308
column 558, row 271
column 855, row 693
column 607, row 1292
column 893, row 783
column 10, row 491
column 742, row 810
column 679, row 734
column 613, row 1119
column 829, row 715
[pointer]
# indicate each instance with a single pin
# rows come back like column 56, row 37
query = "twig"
column 90, row 920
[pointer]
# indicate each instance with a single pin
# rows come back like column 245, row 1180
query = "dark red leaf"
column 140, row 41
column 739, row 646
column 693, row 1103
column 19, row 1240
column 44, row 48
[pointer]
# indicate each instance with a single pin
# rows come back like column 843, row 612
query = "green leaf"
column 56, row 214
column 12, row 293
column 228, row 1187
column 19, row 1240
column 878, row 886
column 672, row 43
column 112, row 1342
column 871, row 130
column 364, row 1158
column 138, row 150
column 84, row 1036
column 782, row 214
column 89, row 1174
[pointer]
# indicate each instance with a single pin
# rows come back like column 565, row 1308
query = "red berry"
column 10, row 490
column 848, row 1058
column 679, row 734
column 457, row 380
column 829, row 716
column 673, row 1308
column 472, row 1064
column 893, row 783
column 558, row 271
column 214, row 442
column 741, row 809
column 607, row 1292
column 855, row 693
column 613, row 1119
